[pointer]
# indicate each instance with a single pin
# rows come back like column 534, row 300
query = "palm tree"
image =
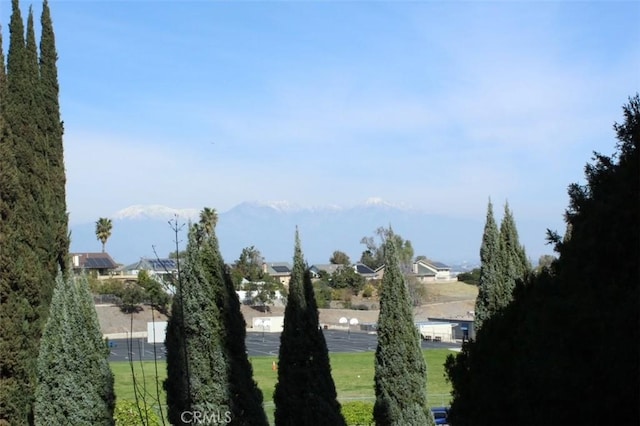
column 103, row 230
column 208, row 220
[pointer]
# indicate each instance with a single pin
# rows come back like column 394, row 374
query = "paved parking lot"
column 260, row 344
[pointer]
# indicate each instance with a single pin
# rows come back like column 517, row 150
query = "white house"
column 427, row 271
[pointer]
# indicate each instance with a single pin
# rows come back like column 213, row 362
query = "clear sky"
column 433, row 104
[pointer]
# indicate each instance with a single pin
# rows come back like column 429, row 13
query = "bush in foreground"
column 127, row 413
column 358, row 413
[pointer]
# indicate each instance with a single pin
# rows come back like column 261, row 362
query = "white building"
column 436, row 331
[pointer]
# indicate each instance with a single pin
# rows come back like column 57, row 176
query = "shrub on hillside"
column 368, row 291
column 342, row 294
column 322, row 293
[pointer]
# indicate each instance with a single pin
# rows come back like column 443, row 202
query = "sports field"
column 352, row 374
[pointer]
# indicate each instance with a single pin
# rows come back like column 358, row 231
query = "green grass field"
column 352, row 373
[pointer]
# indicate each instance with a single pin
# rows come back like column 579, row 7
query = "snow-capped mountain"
column 154, row 211
column 280, row 206
column 379, row 202
column 144, row 231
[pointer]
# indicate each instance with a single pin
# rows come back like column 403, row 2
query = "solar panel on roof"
column 89, row 263
column 281, row 269
column 364, row 269
column 98, row 263
column 162, row 264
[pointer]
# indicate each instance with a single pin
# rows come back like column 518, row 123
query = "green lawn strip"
column 145, row 380
column 352, row 374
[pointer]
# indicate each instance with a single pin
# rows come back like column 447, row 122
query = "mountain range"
column 269, row 227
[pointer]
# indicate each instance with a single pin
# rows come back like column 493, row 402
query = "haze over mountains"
column 270, row 228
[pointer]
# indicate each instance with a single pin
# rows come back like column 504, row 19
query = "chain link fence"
column 106, row 299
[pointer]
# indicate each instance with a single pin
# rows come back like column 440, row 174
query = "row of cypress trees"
column 34, row 239
column 565, row 350
column 503, row 263
column 208, row 371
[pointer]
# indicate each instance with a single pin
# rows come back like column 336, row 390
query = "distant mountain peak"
column 284, row 206
column 379, row 202
column 155, row 211
column 281, row 206
column 376, row 201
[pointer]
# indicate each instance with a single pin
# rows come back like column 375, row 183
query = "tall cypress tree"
column 400, row 369
column 245, row 396
column 75, row 383
column 515, row 265
column 490, row 281
column 305, row 393
column 197, row 372
column 40, row 176
column 52, row 131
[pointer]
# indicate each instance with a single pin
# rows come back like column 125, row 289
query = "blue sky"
column 437, row 105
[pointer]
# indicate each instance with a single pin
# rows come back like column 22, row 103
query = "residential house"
column 365, row 271
column 279, row 270
column 100, row 264
column 426, row 271
column 163, row 269
column 379, row 271
column 328, row 268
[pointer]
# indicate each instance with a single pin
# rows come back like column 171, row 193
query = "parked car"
column 440, row 414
